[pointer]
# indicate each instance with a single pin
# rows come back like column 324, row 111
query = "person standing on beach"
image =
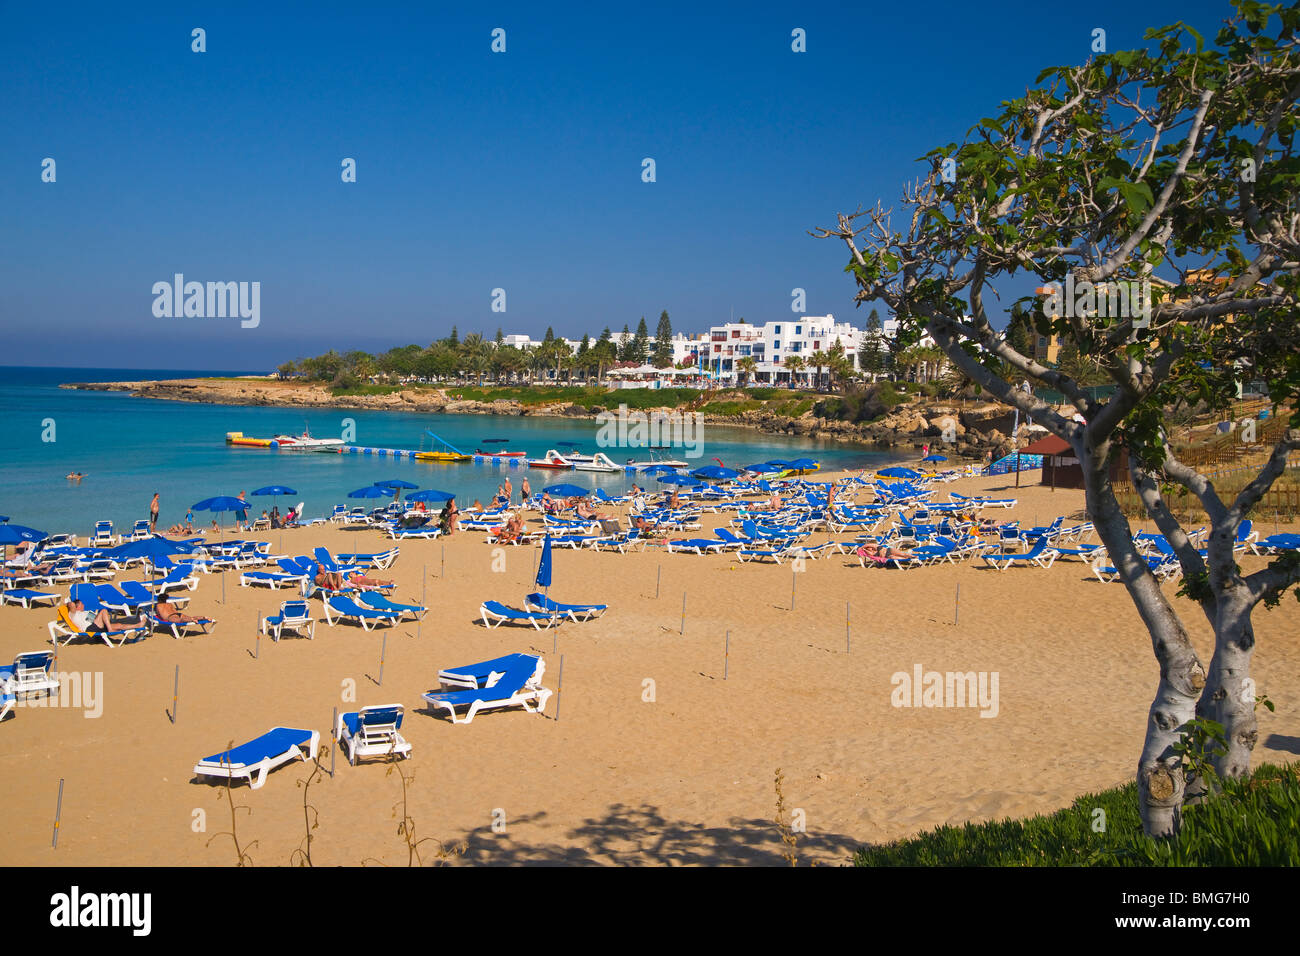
column 525, row 492
column 241, row 516
column 153, row 514
column 510, row 491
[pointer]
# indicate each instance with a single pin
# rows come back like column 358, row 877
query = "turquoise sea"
column 129, row 448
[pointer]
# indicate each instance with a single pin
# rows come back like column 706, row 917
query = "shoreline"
column 907, row 428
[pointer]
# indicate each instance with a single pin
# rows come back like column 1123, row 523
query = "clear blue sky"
column 476, row 170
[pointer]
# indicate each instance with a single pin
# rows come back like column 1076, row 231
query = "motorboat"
column 599, row 462
column 552, row 459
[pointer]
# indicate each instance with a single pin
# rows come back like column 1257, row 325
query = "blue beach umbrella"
column 431, row 495
column 396, row 485
column 678, row 480
column 371, row 491
column 763, row 468
column 803, row 464
column 934, row 458
column 544, row 565
column 715, row 473
column 899, row 473
column 567, row 491
column 277, row 491
column 217, row 505
column 15, row 533
column 652, row 469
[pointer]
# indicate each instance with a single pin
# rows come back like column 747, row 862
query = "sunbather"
column 510, row 531
column 883, row 552
column 101, row 620
column 168, row 613
column 336, row 581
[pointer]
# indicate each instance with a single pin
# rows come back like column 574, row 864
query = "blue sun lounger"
column 294, row 616
column 254, row 760
column 1040, row 554
column 372, row 732
column 179, row 629
column 541, row 602
column 344, row 607
column 28, row 598
column 518, row 686
column 501, row 613
column 482, row 674
column 380, row 560
column 378, row 602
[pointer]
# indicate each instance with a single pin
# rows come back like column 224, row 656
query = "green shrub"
column 1253, row 822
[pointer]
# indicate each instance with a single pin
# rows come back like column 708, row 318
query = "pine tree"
column 641, row 342
column 454, row 339
column 663, row 353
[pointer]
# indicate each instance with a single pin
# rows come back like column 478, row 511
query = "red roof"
column 1048, row 445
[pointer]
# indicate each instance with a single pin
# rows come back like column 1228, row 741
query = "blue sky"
column 475, row 170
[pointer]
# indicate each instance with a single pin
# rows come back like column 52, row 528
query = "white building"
column 771, row 346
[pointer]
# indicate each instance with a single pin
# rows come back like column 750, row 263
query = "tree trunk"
column 1229, row 695
column 1160, row 777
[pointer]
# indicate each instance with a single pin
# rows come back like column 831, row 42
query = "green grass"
column 1254, row 822
column 338, row 390
column 728, row 409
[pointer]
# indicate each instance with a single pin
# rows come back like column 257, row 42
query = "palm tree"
column 746, row 367
column 795, row 364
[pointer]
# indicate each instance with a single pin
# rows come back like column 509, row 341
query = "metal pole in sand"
column 176, row 688
column 956, row 608
column 58, row 812
column 383, row 652
column 794, row 576
column 559, row 686
column 257, row 641
column 659, row 573
column 683, row 628
column 424, row 580
column 726, row 656
column 443, row 572
column 334, row 722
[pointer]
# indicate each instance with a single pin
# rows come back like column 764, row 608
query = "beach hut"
column 1061, row 468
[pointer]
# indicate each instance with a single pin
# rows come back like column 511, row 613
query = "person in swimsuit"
column 153, row 514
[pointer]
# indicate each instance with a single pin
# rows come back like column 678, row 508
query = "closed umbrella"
column 544, row 565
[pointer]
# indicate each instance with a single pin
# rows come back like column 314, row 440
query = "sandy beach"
column 614, row 777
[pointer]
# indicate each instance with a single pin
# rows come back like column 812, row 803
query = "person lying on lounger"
column 167, row 612
column 336, row 581
column 883, row 552
column 101, row 620
column 510, row 531
column 585, row 510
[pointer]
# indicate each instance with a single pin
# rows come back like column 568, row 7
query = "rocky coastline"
column 969, row 429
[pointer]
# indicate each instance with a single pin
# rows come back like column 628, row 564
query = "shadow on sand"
column 632, row 836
